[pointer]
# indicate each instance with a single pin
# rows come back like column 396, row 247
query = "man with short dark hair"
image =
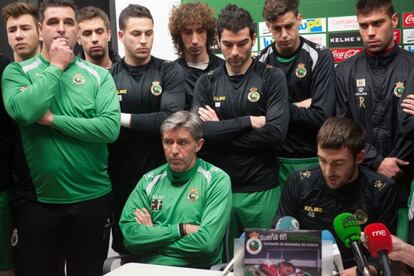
column 21, row 21
column 243, row 106
column 309, row 70
column 94, row 36
column 315, row 196
column 370, row 84
column 149, row 90
column 193, row 30
column 67, row 113
column 178, row 213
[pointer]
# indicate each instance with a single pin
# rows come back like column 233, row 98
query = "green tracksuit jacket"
column 65, row 162
column 201, row 196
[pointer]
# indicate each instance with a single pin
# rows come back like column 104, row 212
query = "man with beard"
column 244, row 109
column 94, row 36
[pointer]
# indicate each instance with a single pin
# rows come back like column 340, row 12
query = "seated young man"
column 178, row 213
column 316, row 196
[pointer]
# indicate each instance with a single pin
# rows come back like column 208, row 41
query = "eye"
column 87, row 33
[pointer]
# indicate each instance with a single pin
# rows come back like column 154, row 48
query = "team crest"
column 156, row 204
column 379, row 184
column 399, row 89
column 156, row 88
column 301, row 71
column 253, row 95
column 14, row 238
column 361, row 216
column 78, row 79
column 193, row 195
column 254, row 244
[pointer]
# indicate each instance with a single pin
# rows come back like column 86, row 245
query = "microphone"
column 379, row 244
column 348, row 230
column 287, row 223
column 337, row 258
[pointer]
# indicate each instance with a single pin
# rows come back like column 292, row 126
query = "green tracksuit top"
column 201, row 196
column 66, row 161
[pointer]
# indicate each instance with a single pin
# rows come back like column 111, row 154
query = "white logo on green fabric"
column 193, row 195
column 78, row 79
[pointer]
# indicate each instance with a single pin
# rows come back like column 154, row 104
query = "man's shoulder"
column 352, row 62
column 374, row 180
column 265, row 53
column 94, row 70
column 210, row 173
column 153, row 176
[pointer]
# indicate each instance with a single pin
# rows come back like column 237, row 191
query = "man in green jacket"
column 67, row 112
column 178, row 213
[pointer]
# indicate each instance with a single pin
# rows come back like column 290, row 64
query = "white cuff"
column 126, row 120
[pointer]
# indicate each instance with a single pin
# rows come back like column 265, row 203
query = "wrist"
column 181, row 229
column 126, row 120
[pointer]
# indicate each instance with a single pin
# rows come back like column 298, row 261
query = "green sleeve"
column 27, row 102
column 104, row 127
column 214, row 222
column 138, row 238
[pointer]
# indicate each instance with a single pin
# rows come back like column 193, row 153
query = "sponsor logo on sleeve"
column 312, row 25
column 408, row 19
column 348, row 39
column 341, row 54
column 342, row 23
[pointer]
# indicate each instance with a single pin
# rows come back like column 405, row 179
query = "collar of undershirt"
column 287, row 59
column 180, row 178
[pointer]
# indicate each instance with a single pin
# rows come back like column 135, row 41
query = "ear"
column 394, row 20
column 360, row 157
column 121, row 36
column 299, row 18
column 109, row 32
column 200, row 144
column 254, row 39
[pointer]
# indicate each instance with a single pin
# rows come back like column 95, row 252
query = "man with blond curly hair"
column 193, row 31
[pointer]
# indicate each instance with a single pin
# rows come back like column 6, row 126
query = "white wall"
column 160, row 10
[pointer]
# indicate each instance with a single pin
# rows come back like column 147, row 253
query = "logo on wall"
column 349, row 39
column 408, row 19
column 316, row 38
column 341, row 54
column 408, row 36
column 342, row 23
column 397, row 35
column 409, row 48
column 312, row 25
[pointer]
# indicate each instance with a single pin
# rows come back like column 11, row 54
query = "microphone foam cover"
column 377, row 238
column 287, row 223
column 347, row 228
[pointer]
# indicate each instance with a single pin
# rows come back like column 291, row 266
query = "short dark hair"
column 273, row 9
column 133, row 10
column 234, row 19
column 365, row 7
column 56, row 3
column 336, row 133
column 91, row 12
column 188, row 14
column 17, row 9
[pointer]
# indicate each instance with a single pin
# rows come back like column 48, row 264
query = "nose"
column 194, row 38
column 174, row 149
column 61, row 28
column 284, row 33
column 143, row 39
column 234, row 51
column 371, row 31
column 19, row 34
column 94, row 37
